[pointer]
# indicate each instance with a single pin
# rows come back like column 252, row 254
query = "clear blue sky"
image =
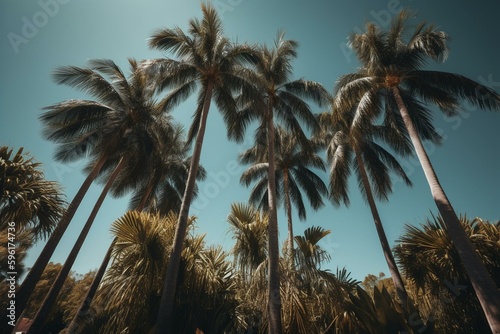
column 38, row 36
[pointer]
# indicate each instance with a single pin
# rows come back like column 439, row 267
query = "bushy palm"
column 434, row 270
column 30, row 207
column 130, row 294
column 392, row 63
column 27, row 198
column 249, row 229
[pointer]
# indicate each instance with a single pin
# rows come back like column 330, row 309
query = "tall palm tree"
column 125, row 128
column 394, row 65
column 209, row 60
column 292, row 171
column 282, row 99
column 351, row 144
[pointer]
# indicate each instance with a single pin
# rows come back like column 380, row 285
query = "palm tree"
column 30, row 207
column 160, row 187
column 392, row 64
column 292, row 172
column 27, row 198
column 58, row 283
column 86, row 128
column 433, row 268
column 210, row 60
column 126, row 131
column 249, row 229
column 351, row 145
column 311, row 254
column 283, row 99
column 130, row 294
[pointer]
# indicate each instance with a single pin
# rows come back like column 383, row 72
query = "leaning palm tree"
column 282, row 99
column 166, row 174
column 95, row 129
column 351, row 144
column 292, row 172
column 207, row 59
column 393, row 64
column 129, row 130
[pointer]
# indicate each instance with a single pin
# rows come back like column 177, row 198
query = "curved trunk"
column 56, row 287
column 29, row 283
column 288, row 207
column 484, row 286
column 85, row 305
column 274, row 299
column 389, row 258
column 164, row 321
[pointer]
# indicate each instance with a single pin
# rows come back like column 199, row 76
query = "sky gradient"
column 38, row 36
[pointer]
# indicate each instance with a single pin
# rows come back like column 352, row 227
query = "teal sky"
column 38, row 36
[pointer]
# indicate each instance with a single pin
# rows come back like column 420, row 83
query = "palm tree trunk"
column 389, row 258
column 56, row 287
column 164, row 321
column 274, row 299
column 484, row 286
column 29, row 283
column 85, row 305
column 288, row 207
column 89, row 296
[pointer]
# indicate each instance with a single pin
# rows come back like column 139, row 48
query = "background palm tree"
column 437, row 277
column 27, row 198
column 210, row 60
column 281, row 98
column 351, row 144
column 292, row 172
column 393, row 64
column 249, row 228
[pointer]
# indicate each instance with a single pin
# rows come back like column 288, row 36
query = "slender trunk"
column 484, row 286
column 85, row 305
column 164, row 321
column 56, row 287
column 29, row 283
column 288, row 207
column 274, row 298
column 89, row 296
column 389, row 258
